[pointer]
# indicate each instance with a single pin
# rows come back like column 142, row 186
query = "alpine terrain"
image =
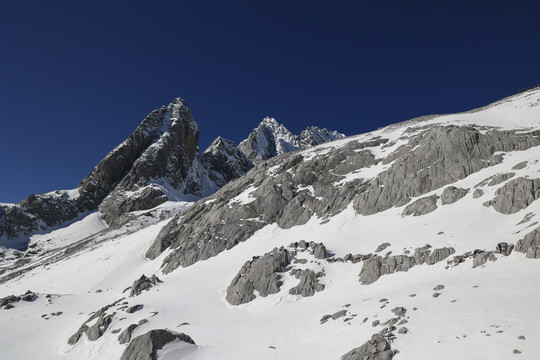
column 419, row 240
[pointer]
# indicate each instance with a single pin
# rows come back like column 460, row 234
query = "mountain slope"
column 421, row 237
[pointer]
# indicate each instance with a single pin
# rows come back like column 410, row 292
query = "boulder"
column 259, row 274
column 125, row 336
column 451, row 194
column 146, row 347
column 516, row 195
column 143, row 284
column 421, row 206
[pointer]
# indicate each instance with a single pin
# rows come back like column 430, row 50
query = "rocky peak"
column 223, row 161
column 271, row 138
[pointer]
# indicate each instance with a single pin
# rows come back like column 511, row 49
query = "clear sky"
column 77, row 77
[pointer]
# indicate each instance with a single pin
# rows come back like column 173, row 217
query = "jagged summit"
column 271, row 138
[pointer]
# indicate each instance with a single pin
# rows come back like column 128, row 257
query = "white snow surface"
column 480, row 314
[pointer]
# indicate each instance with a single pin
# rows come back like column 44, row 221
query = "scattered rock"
column 516, row 351
column 436, row 295
column 521, row 337
column 375, row 323
column 438, row 287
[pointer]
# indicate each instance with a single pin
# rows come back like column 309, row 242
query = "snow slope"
column 487, row 312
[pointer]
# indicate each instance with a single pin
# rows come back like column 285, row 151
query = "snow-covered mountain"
column 417, row 240
column 271, row 139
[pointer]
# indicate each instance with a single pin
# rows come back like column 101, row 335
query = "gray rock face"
column 421, row 206
column 377, row 348
column 319, row 251
column 97, row 330
column 146, row 347
column 516, row 195
column 259, row 274
column 436, row 157
column 529, row 241
column 308, row 283
column 376, row 266
column 290, row 189
column 452, row 194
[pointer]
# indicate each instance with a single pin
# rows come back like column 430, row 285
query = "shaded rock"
column 259, row 274
column 29, row 296
column 377, row 348
column 308, row 285
column 319, row 251
column 516, row 195
column 146, row 347
column 143, row 284
column 421, row 206
column 325, row 318
column 339, row 314
column 125, row 336
column 477, row 193
column 399, row 311
column 95, row 331
column 481, row 258
column 403, row 330
column 531, row 240
column 439, row 255
column 500, row 178
column 382, row 246
column 521, row 165
column 9, row 299
column 533, row 252
column 371, row 270
column 452, row 194
column 134, row 308
column 504, row 248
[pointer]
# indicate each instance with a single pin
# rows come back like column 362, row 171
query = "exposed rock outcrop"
column 529, row 243
column 516, row 195
column 308, row 285
column 143, row 284
column 376, row 266
column 146, row 347
column 421, row 206
column 378, row 348
column 451, row 194
column 260, row 274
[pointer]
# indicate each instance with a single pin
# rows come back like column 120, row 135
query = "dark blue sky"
column 76, row 78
